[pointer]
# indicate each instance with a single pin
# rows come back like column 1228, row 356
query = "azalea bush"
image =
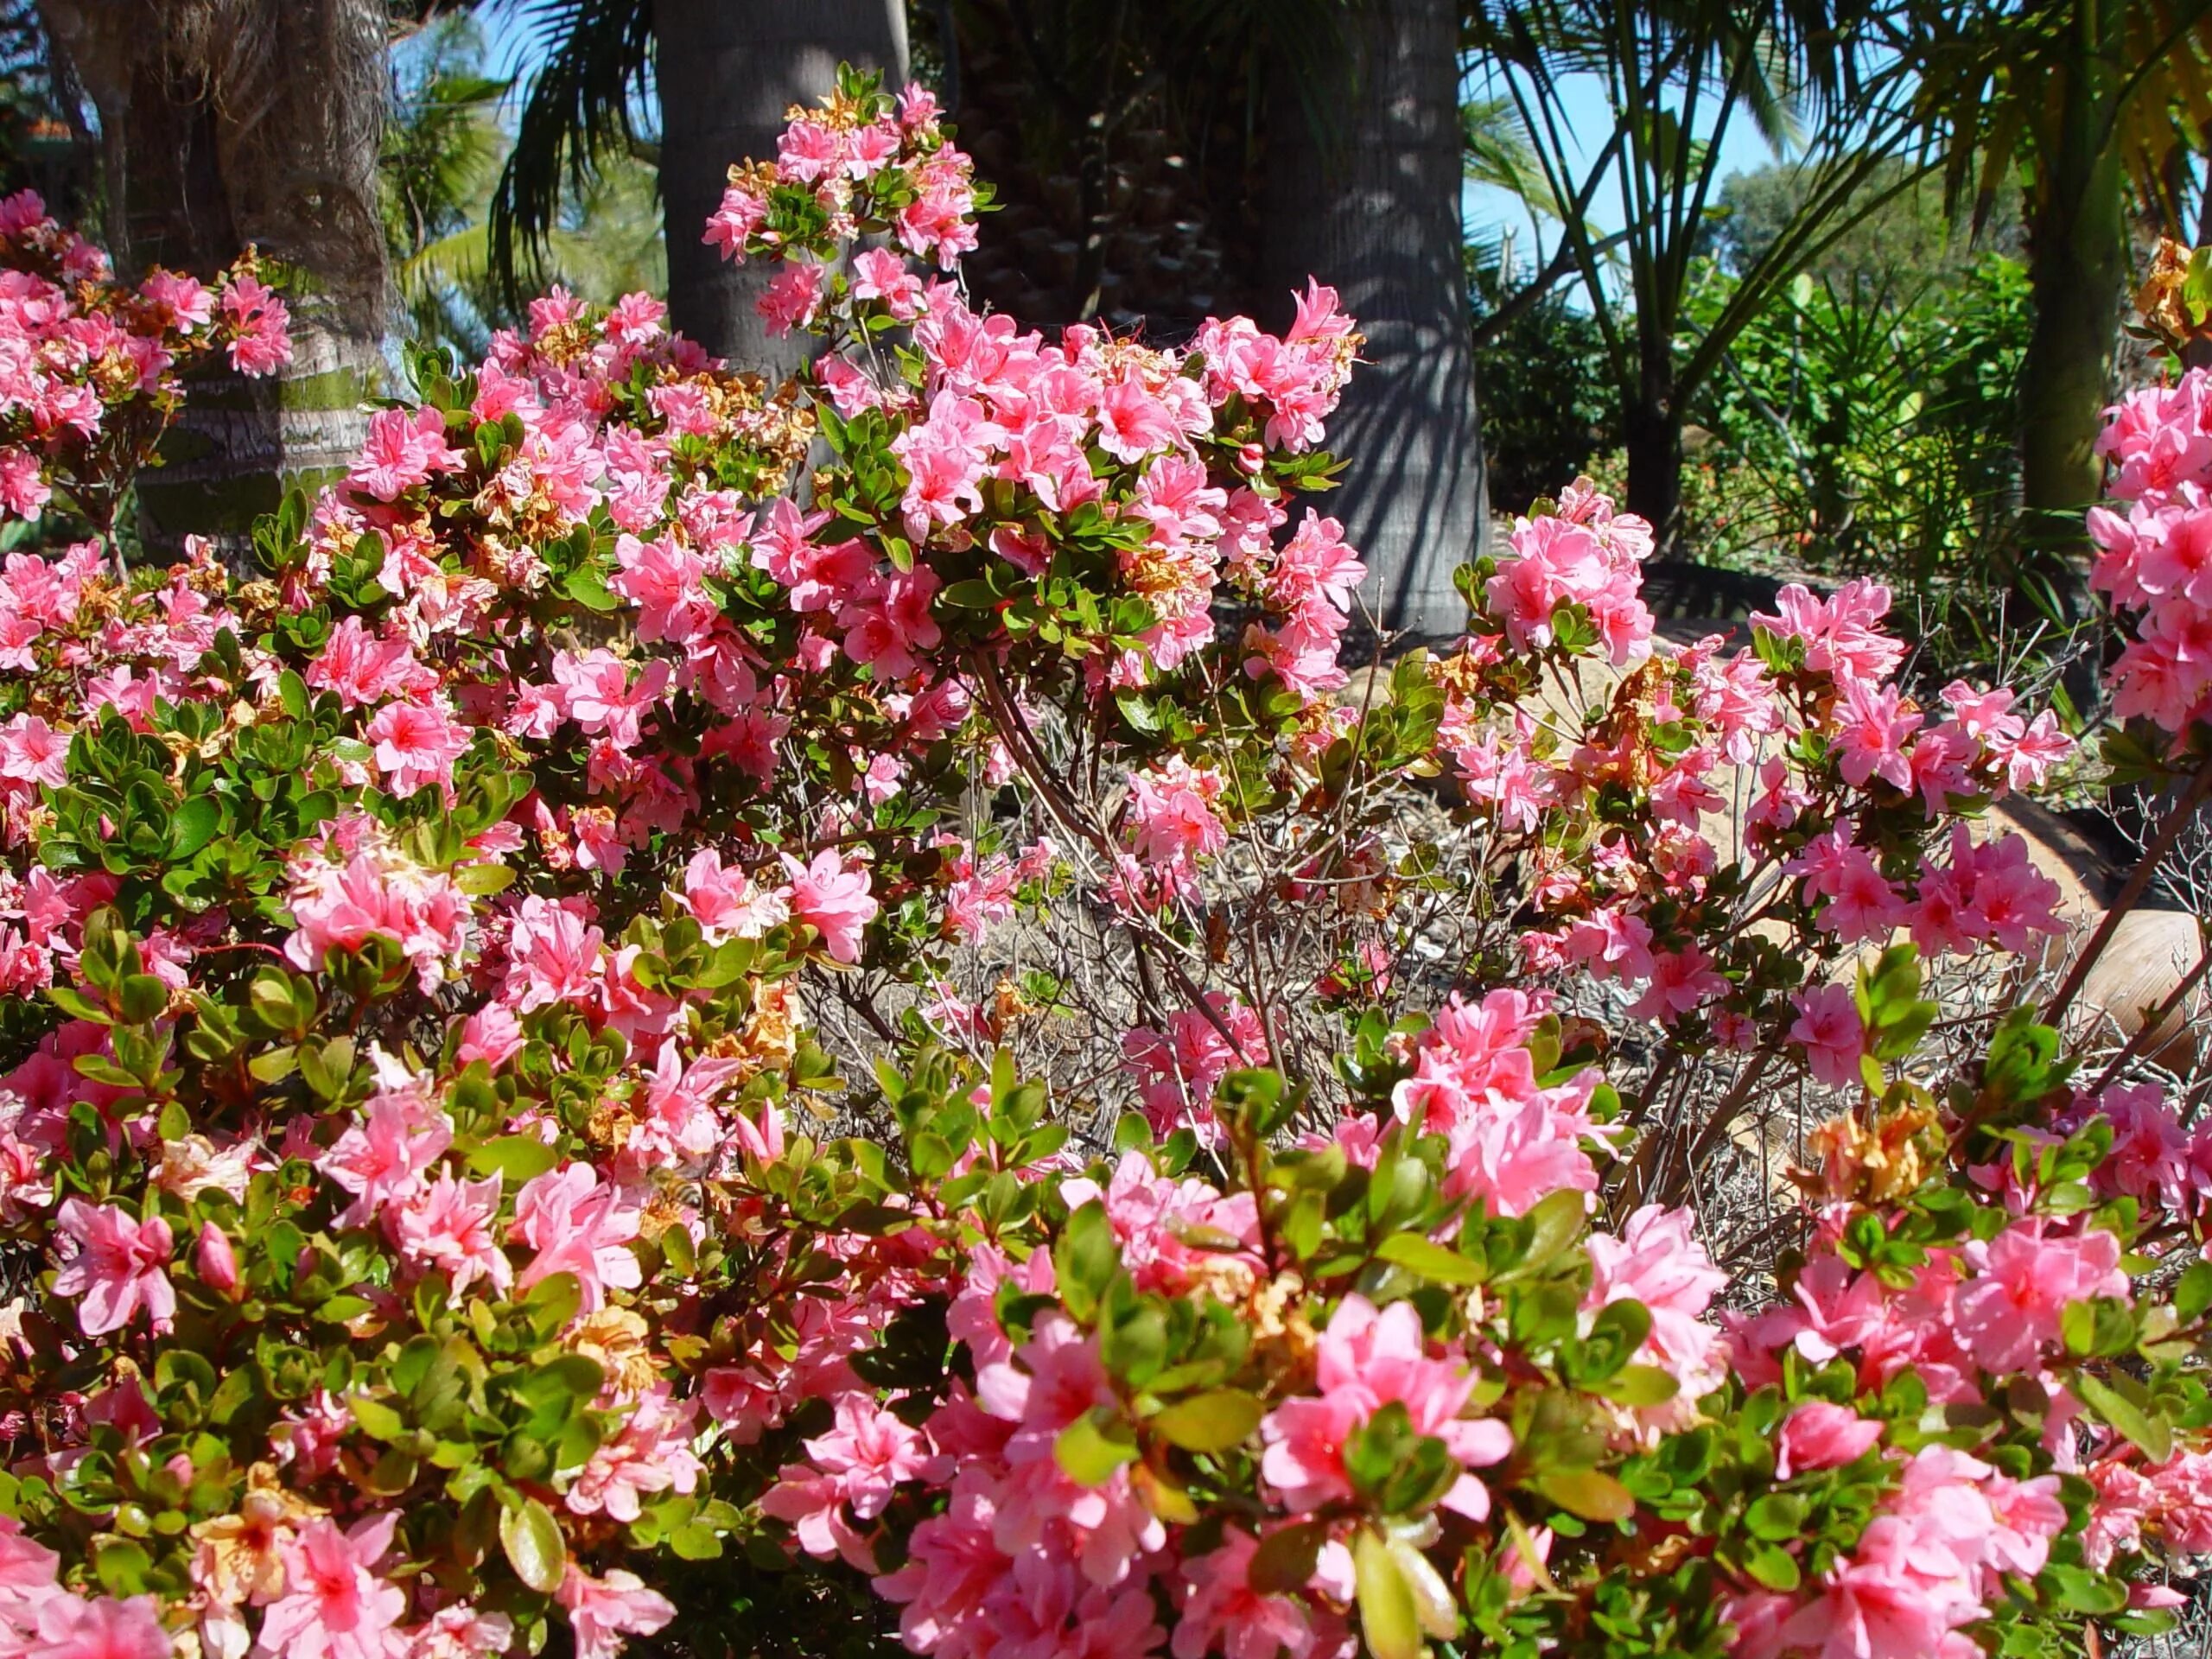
column 820, row 1018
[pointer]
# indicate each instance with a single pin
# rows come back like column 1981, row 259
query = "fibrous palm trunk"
column 727, row 72
column 1651, row 432
column 1367, row 199
column 2077, row 266
column 226, row 123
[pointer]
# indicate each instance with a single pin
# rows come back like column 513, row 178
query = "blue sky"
column 1588, row 111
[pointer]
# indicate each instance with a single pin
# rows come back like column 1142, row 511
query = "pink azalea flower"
column 833, row 900
column 651, row 1453
column 402, row 450
column 120, row 1267
column 70, row 1627
column 381, row 1159
column 1367, row 1360
column 449, row 1226
column 579, row 1224
column 601, row 1612
column 1224, row 1613
column 870, row 1452
column 415, row 746
column 1819, row 1435
column 1828, row 1026
column 726, row 903
column 32, row 752
column 333, row 1604
column 792, row 297
column 2008, row 1312
column 1658, row 1260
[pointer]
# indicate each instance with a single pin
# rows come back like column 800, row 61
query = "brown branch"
column 2139, row 883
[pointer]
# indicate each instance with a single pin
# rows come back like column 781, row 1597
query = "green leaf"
column 1774, row 1566
column 2142, row 1424
column 1431, row 1260
column 481, row 881
column 1637, row 1385
column 589, row 590
column 1388, row 1617
column 144, row 999
column 2193, row 1291
column 532, row 1538
column 1085, row 1258
column 1212, row 1422
column 516, row 1157
column 1285, row 1560
column 1093, row 1446
column 194, row 826
column 1590, row 1493
column 1557, row 1221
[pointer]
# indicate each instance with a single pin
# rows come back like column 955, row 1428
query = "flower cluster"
column 89, row 366
column 1648, row 810
column 431, row 961
column 1367, row 1389
column 2155, row 548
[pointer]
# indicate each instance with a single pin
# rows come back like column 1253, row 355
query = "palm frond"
column 597, row 55
column 1497, row 151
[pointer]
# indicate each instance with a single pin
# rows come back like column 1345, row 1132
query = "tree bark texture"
column 1367, row 199
column 227, row 124
column 2077, row 268
column 728, row 71
column 1651, row 432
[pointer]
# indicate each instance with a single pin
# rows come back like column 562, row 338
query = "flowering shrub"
column 430, row 957
column 89, row 367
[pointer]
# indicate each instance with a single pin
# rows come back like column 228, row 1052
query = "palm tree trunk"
column 1651, row 432
column 2077, row 268
column 1367, row 199
column 728, row 71
column 227, row 124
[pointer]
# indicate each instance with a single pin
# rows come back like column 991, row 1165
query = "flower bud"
column 1251, row 458
column 217, row 1263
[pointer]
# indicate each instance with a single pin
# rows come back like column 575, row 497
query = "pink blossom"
column 70, row 1627
column 402, row 450
column 855, row 1467
column 650, row 1453
column 415, row 746
column 1658, row 1260
column 725, row 901
column 119, row 1267
column 333, row 1604
column 601, row 1612
column 364, row 669
column 448, row 1226
column 1828, row 1026
column 1819, row 1435
column 214, row 1260
column 1682, row 982
column 2008, row 1311
column 1223, row 1612
column 1368, row 1359
column 1177, row 1069
column 579, row 1224
column 553, row 955
column 832, row 900
column 792, row 298
column 381, row 1159
column 262, row 344
column 887, row 624
column 1171, row 813
column 32, row 752
column 667, row 582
